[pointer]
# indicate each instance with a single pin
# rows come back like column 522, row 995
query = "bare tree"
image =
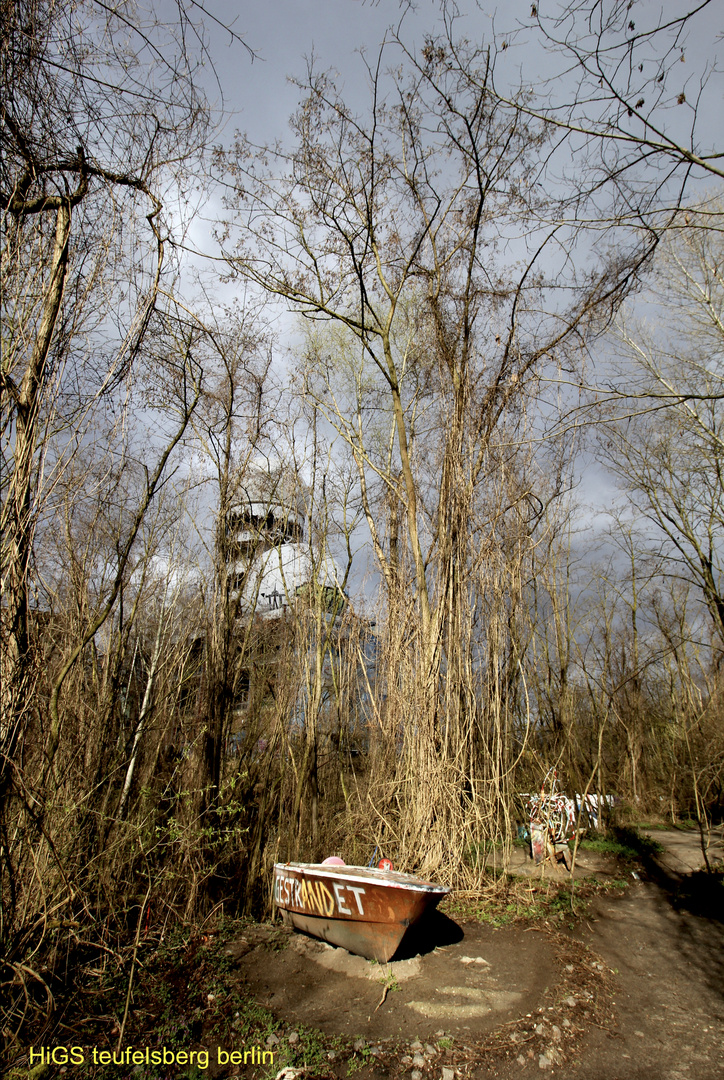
column 233, row 424
column 394, row 226
column 102, row 124
column 666, row 443
column 91, row 135
column 627, row 97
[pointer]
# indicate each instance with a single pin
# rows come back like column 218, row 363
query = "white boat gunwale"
column 391, row 879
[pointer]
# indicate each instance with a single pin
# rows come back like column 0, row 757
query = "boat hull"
column 367, row 912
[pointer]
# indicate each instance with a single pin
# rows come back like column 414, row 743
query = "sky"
column 282, row 33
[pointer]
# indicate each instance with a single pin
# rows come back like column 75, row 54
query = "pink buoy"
column 334, row 860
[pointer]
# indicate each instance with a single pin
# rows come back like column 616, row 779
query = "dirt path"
column 667, row 992
column 636, row 991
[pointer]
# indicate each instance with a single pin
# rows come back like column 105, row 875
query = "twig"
column 133, row 966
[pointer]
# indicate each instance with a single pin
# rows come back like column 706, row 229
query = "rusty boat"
column 364, row 910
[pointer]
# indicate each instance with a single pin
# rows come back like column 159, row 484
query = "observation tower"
column 270, row 560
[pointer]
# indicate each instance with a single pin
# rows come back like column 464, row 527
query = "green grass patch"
column 642, row 846
column 682, row 825
column 606, row 845
column 625, row 842
column 510, row 900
